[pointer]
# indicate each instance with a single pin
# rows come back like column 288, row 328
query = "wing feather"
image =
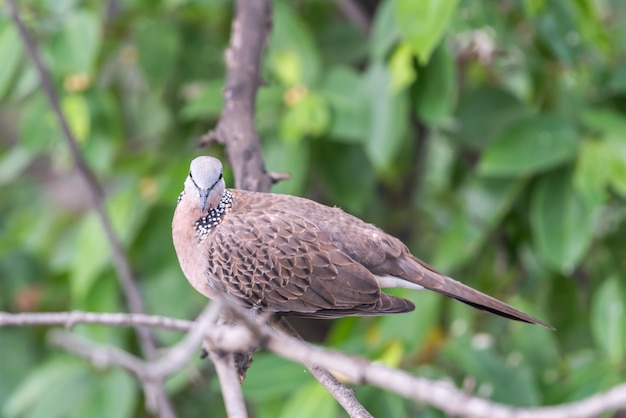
column 284, row 263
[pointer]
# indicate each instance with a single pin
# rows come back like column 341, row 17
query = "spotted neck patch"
column 214, row 216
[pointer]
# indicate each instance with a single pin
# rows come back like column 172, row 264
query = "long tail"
column 432, row 280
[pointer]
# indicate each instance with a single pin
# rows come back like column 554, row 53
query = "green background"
column 489, row 136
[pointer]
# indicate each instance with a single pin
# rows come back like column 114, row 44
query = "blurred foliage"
column 489, row 136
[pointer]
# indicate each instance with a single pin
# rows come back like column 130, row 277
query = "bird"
column 291, row 256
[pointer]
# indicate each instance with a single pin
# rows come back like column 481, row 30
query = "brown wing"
column 283, row 263
column 384, row 255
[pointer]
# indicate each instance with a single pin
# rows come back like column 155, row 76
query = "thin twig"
column 229, row 382
column 237, row 131
column 125, row 276
column 102, row 356
column 438, row 393
column 69, row 319
column 343, row 394
column 180, row 354
column 352, row 10
column 277, row 177
column 121, row 262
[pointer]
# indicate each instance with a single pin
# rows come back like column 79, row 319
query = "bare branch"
column 343, row 395
column 122, row 265
column 69, row 319
column 351, row 9
column 174, row 359
column 102, row 356
column 180, row 354
column 150, row 374
column 229, row 382
column 235, row 128
column 438, row 393
column 276, row 177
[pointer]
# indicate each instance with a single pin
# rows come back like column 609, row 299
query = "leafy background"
column 489, row 136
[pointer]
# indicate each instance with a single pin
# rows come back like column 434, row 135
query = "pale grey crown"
column 205, row 171
column 205, row 181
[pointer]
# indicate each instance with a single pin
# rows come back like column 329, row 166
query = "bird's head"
column 205, row 180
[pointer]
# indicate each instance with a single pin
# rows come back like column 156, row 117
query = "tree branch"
column 229, row 383
column 122, row 265
column 236, row 129
column 69, row 319
column 343, row 394
column 438, row 393
column 352, row 10
column 150, row 374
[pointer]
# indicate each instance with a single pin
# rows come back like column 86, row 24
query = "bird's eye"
column 190, row 176
column 220, row 176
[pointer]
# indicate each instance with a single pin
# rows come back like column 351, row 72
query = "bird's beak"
column 204, row 195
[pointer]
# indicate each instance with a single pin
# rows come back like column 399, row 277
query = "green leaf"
column 529, row 146
column 607, row 121
column 92, row 253
column 290, row 157
column 311, row 401
column 610, row 152
column 424, row 318
column 10, row 54
column 44, row 387
column 152, row 117
column 589, row 376
column 110, row 394
column 592, row 173
column 385, row 404
column 423, row 23
column 347, row 98
column 46, row 391
column 388, row 121
column 39, row 130
column 401, row 68
column 206, row 103
column 21, row 346
column 76, row 111
column 344, row 189
column 458, row 243
column 555, row 27
column 608, row 320
column 158, row 45
column 482, row 114
column 127, row 211
column 103, row 296
column 287, row 67
column 562, row 223
column 616, row 153
column 384, row 30
column 12, row 164
column 486, row 201
column 293, row 55
column 92, row 250
column 78, row 43
column 497, row 380
column 287, row 377
column 435, row 91
column 532, row 346
column 308, row 117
